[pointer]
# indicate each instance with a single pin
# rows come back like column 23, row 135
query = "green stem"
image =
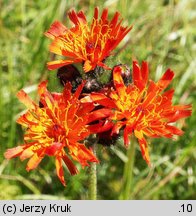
column 128, row 171
column 93, row 178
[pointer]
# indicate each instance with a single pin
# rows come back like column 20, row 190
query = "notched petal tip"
column 77, row 18
column 42, row 87
column 25, row 99
column 140, row 75
column 166, row 79
column 56, row 29
column 13, row 152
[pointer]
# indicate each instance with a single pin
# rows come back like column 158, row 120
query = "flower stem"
column 93, row 178
column 128, row 171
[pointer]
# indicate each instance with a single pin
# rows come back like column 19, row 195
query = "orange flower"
column 55, row 128
column 142, row 108
column 89, row 44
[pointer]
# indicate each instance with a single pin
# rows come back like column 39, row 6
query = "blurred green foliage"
column 164, row 34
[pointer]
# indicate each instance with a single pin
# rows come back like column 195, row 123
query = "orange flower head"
column 56, row 128
column 142, row 108
column 87, row 43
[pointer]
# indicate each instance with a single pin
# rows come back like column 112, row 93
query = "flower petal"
column 84, row 155
column 166, row 79
column 88, row 66
column 27, row 153
column 56, row 29
column 99, row 114
column 79, row 90
column 140, row 76
column 174, row 130
column 118, row 81
column 102, row 100
column 144, row 149
column 126, row 137
column 59, row 170
column 77, row 18
column 26, row 100
column 33, row 162
column 42, row 87
column 101, row 127
column 182, row 111
column 90, row 44
column 13, row 152
column 59, row 63
column 54, row 148
column 70, row 165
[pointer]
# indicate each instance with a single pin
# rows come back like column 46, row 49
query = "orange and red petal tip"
column 96, row 12
column 166, row 79
column 25, row 99
column 59, row 170
column 13, row 152
column 33, row 162
column 42, row 87
column 56, row 29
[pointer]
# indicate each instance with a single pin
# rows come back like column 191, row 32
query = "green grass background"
column 164, row 34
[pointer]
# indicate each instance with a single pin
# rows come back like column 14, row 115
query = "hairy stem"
column 93, row 178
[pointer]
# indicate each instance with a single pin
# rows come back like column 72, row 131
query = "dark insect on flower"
column 69, row 73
